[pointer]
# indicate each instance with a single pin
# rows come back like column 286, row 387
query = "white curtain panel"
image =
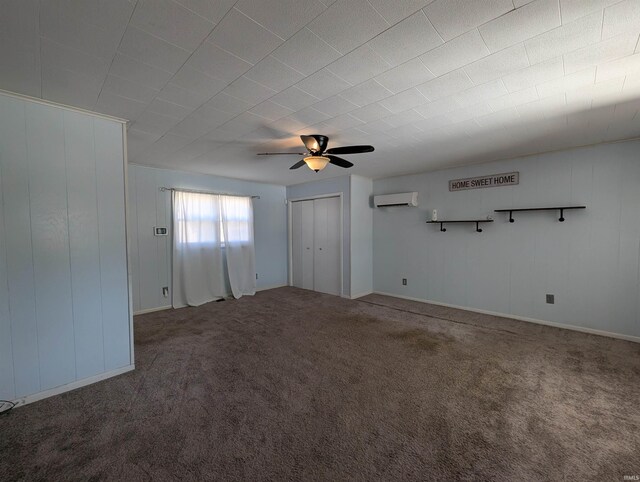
column 213, row 247
column 237, row 227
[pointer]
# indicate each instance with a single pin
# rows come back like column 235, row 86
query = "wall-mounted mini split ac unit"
column 399, row 199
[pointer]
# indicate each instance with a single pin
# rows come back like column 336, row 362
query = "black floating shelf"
column 562, row 209
column 477, row 221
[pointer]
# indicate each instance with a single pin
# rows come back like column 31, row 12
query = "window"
column 205, row 218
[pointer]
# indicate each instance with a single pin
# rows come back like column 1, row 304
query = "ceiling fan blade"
column 315, row 143
column 350, row 150
column 338, row 161
column 298, row 164
column 281, row 153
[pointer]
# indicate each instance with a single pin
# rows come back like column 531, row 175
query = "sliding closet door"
column 302, row 244
column 326, row 265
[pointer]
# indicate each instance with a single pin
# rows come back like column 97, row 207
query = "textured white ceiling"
column 430, row 83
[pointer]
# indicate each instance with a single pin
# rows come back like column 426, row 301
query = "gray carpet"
column 295, row 385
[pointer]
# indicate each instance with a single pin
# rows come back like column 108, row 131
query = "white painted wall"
column 332, row 186
column 361, row 236
column 590, row 262
column 64, row 301
column 149, row 207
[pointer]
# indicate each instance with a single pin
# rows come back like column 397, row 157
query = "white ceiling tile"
column 239, row 126
column 466, row 113
column 59, row 56
column 334, row 106
column 483, row 92
column 76, row 33
column 152, row 50
column 137, row 141
column 404, row 76
column 344, row 121
column 171, row 22
column 274, row 74
column 600, row 94
column 162, row 107
column 282, row 17
column 71, row 88
column 154, row 123
column 523, row 96
column 197, row 81
column 404, row 101
column 19, row 24
column 499, row 119
column 521, row 24
column 128, row 89
column 243, row 37
column 323, row 84
column 371, row 112
column 200, row 122
column 455, row 17
column 308, row 116
column 135, row 71
column 213, row 11
column 249, row 91
column 359, row 65
column 456, row 53
column 224, row 102
column 604, row 51
column 520, row 3
column 178, row 95
column 348, row 24
column 446, row 85
column 574, row 35
column 218, row 63
column 366, row 93
column 618, row 68
column 306, row 52
column 413, row 36
column 498, row 64
column 403, row 118
column 112, row 104
column 270, row 110
column 438, row 107
column 294, row 99
column 575, row 9
column 621, row 17
column 20, row 70
column 536, row 74
column 566, row 83
column 394, row 11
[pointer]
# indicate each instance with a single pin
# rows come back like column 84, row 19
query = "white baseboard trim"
column 591, row 331
column 271, row 287
column 72, row 386
column 152, row 310
column 359, row 295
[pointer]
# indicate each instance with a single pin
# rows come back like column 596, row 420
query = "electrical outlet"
column 165, row 291
column 404, row 281
column 551, row 299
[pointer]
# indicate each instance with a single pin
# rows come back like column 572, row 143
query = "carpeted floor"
column 296, row 385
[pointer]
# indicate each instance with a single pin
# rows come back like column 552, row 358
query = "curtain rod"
column 162, row 188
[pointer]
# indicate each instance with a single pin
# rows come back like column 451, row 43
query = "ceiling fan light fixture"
column 317, row 163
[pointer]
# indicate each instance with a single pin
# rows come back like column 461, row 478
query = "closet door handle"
column 320, row 249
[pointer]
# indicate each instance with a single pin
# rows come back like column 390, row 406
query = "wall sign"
column 493, row 180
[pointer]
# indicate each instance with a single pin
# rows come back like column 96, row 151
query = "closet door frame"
column 290, row 234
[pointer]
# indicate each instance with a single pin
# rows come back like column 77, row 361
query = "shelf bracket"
column 561, row 219
column 511, row 220
column 442, row 228
column 478, row 228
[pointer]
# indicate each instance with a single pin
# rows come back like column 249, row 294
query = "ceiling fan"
column 319, row 156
